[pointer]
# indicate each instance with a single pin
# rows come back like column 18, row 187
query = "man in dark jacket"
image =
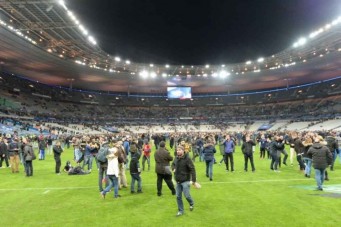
column 322, row 157
column 208, row 152
column 162, row 168
column 184, row 171
column 248, row 153
column 333, row 147
column 57, row 151
column 3, row 152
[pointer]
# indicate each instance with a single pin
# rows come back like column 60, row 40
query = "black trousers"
column 58, row 164
column 229, row 156
column 246, row 158
column 6, row 160
column 168, row 180
column 29, row 168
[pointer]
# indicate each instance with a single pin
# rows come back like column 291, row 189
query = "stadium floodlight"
column 207, row 66
column 118, row 59
column 204, row 75
column 223, row 74
column 167, row 66
column 144, row 74
column 127, row 62
column 164, row 75
column 151, row 65
column 260, row 60
column 248, row 62
column 302, row 41
column 84, row 31
column 223, row 66
column 92, row 40
column 327, row 26
column 62, row 3
column 214, row 74
column 152, row 74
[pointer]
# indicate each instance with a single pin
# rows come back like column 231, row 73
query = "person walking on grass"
column 162, row 168
column 322, row 157
column 209, row 151
column 112, row 173
column 146, row 155
column 248, row 153
column 184, row 171
column 229, row 147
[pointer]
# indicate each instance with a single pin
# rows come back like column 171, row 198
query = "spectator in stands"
column 3, row 151
column 13, row 149
column 57, row 151
column 322, row 157
column 162, row 168
column 248, row 153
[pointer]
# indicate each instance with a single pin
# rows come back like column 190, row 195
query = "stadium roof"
column 44, row 41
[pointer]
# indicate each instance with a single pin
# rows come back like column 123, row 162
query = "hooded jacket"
column 321, row 155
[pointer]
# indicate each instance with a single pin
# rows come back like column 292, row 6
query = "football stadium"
column 101, row 131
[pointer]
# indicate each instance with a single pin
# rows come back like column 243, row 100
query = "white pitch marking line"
column 208, row 183
column 45, row 192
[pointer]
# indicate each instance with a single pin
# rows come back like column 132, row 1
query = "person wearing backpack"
column 146, row 155
column 103, row 163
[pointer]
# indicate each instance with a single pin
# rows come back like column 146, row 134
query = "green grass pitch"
column 263, row 198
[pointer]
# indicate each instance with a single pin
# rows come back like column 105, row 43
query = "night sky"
column 200, row 31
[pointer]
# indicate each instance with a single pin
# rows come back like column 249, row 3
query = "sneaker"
column 132, row 192
column 179, row 214
column 103, row 195
column 139, row 191
column 191, row 208
column 117, row 196
column 173, row 192
column 211, row 179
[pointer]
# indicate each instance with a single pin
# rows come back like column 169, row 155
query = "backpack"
column 102, row 154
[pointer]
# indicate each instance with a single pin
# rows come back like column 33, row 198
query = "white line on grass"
column 214, row 182
column 45, row 192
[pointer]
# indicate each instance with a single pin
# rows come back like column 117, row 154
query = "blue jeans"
column 136, row 177
column 308, row 163
column 183, row 187
column 42, row 154
column 113, row 182
column 209, row 168
column 319, row 177
column 102, row 174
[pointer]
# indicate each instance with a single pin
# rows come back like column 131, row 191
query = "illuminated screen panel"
column 179, row 92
